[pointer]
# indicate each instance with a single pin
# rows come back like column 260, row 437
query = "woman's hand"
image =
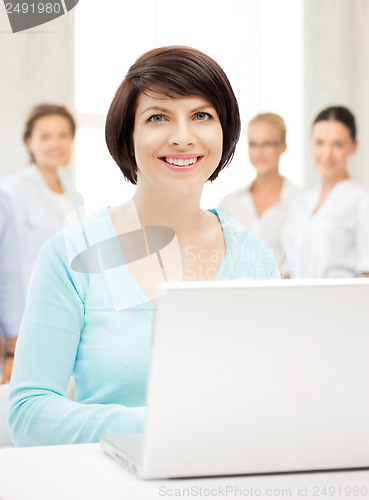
column 7, row 370
column 8, row 360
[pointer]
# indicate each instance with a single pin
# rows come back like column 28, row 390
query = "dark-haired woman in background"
column 327, row 231
column 173, row 125
column 39, row 198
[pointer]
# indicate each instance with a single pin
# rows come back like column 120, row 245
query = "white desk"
column 86, row 472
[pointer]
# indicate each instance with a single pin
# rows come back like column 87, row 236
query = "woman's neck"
column 327, row 185
column 270, row 183
column 266, row 191
column 50, row 176
column 180, row 212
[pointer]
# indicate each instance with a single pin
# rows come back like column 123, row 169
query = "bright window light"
column 259, row 44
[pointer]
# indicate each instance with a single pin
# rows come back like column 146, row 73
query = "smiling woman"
column 184, row 136
column 166, row 74
column 327, row 231
column 172, row 126
column 39, row 199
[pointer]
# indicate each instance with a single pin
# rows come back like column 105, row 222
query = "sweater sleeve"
column 39, row 411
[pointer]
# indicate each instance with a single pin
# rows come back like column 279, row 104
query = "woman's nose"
column 55, row 141
column 181, row 134
column 327, row 151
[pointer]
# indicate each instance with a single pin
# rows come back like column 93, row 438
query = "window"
column 259, row 44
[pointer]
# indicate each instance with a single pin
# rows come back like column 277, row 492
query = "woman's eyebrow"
column 202, row 106
column 167, row 110
column 155, row 108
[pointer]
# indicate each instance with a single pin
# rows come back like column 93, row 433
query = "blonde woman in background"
column 262, row 206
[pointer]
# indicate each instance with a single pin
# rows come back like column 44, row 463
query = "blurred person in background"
column 327, row 230
column 11, row 302
column 262, row 206
column 40, row 199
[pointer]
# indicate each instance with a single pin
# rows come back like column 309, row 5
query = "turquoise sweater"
column 96, row 327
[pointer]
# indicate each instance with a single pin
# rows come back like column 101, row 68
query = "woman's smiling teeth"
column 180, row 162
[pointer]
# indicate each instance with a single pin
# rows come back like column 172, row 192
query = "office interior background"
column 291, row 57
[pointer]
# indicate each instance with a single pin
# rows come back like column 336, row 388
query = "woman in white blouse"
column 39, row 198
column 262, row 206
column 327, row 231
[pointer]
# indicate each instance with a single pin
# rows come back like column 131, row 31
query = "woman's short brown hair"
column 171, row 71
column 42, row 110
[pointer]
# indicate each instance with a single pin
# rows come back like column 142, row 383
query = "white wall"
column 254, row 41
column 38, row 65
column 35, row 66
column 337, row 70
column 361, row 94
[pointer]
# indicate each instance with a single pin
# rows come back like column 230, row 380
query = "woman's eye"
column 156, row 118
column 203, row 116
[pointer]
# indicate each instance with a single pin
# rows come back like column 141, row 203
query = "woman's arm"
column 10, row 284
column 362, row 238
column 40, row 412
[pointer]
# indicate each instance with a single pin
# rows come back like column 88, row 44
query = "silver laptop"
column 254, row 377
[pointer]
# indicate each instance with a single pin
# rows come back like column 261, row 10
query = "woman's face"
column 178, row 142
column 331, row 146
column 51, row 141
column 265, row 147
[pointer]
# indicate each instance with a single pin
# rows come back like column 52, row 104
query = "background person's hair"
column 273, row 119
column 42, row 110
column 338, row 114
column 171, row 71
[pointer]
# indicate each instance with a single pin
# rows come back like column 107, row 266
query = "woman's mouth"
column 181, row 163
